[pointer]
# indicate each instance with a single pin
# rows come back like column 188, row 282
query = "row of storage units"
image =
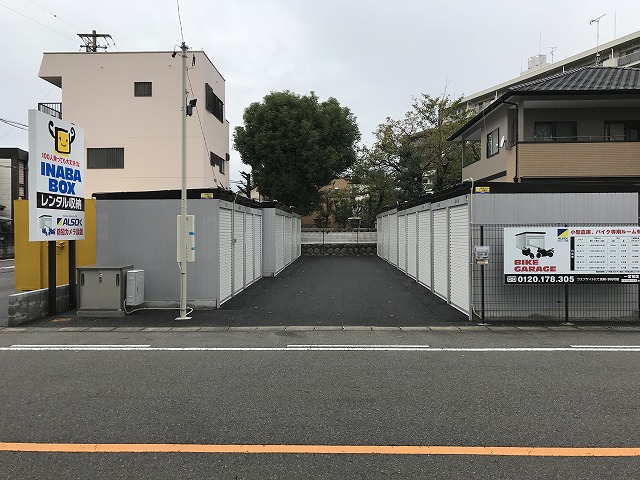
column 430, row 243
column 567, row 252
column 238, row 241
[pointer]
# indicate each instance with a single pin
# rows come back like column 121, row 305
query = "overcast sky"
column 374, row 56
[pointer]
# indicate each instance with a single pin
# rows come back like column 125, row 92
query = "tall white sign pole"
column 182, row 229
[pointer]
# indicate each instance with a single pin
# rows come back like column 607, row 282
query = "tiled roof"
column 585, row 79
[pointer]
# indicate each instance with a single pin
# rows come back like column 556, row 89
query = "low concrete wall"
column 28, row 306
column 311, row 238
column 339, row 249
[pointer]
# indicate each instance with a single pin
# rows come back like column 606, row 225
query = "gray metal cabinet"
column 102, row 288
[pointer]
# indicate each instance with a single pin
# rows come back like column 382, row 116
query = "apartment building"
column 581, row 124
column 130, row 106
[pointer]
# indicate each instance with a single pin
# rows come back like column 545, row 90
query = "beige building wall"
column 98, row 95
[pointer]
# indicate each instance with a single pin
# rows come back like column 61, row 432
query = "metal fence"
column 493, row 300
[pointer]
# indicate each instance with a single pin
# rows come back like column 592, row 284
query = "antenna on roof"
column 597, row 22
column 91, row 41
column 553, row 49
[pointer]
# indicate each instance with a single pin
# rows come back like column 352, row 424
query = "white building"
column 130, row 107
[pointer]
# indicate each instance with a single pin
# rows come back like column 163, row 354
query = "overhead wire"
column 204, row 138
column 39, row 23
column 56, row 16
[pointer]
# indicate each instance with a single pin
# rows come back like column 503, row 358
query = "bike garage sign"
column 56, row 179
column 609, row 254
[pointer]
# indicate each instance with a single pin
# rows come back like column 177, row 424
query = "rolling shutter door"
column 238, row 252
column 424, row 248
column 440, row 253
column 249, row 253
column 459, row 257
column 225, row 254
column 379, row 236
column 288, row 240
column 279, row 242
column 412, row 238
column 393, row 239
column 257, row 225
column 402, row 243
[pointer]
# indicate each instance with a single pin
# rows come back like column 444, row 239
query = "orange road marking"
column 320, row 449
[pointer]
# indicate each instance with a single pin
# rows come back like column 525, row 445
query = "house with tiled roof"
column 581, row 124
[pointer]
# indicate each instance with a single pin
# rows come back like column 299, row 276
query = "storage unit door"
column 288, row 240
column 226, row 241
column 257, row 226
column 412, row 238
column 393, row 239
column 279, row 242
column 424, row 248
column 249, row 244
column 459, row 257
column 238, row 252
column 440, row 253
column 379, row 236
column 402, row 243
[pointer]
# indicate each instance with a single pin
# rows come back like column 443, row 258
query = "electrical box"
column 101, row 290
column 188, row 240
column 135, row 288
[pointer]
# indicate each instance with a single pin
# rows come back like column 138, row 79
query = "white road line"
column 293, row 345
column 7, row 268
column 605, row 346
column 144, row 348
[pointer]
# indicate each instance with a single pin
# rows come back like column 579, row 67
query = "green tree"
column 295, row 145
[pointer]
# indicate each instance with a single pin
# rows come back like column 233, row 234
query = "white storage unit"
column 279, row 242
column 440, row 253
column 424, row 248
column 288, row 240
column 257, row 232
column 459, row 257
column 238, row 252
column 225, row 237
column 249, row 249
column 393, row 239
column 412, row 245
column 402, row 243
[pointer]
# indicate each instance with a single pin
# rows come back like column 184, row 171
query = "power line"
column 42, row 24
column 180, row 21
column 204, row 138
column 13, row 124
column 51, row 13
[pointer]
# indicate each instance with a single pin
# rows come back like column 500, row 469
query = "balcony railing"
column 53, row 109
column 576, row 159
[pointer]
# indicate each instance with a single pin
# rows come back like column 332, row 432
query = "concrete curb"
column 347, row 328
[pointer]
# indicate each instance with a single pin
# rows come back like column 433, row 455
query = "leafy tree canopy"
column 295, row 145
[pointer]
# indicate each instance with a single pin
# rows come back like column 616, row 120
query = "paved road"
column 500, row 388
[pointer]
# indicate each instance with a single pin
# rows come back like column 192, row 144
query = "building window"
column 142, row 89
column 22, row 179
column 555, row 131
column 623, row 131
column 492, row 143
column 217, row 161
column 105, row 157
column 213, row 103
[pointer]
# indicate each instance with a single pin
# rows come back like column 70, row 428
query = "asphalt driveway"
column 313, row 291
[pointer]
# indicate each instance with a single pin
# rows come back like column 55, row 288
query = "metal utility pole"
column 597, row 22
column 182, row 229
column 91, row 41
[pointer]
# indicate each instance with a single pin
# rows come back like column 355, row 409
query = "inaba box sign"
column 56, row 179
column 578, row 254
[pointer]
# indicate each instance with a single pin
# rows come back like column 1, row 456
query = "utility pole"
column 91, row 41
column 182, row 229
